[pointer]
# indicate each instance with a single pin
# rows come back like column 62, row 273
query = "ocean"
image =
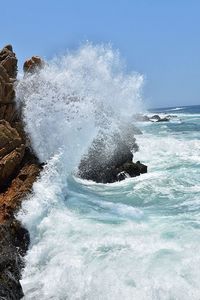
column 134, row 239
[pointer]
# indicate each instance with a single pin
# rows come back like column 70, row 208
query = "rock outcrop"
column 12, row 152
column 110, row 159
column 32, row 64
column 19, row 168
column 154, row 118
column 14, row 241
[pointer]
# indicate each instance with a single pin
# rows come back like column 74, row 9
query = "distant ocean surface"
column 179, row 109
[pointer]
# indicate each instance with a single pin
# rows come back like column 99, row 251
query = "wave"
column 64, row 106
column 117, row 241
column 177, row 108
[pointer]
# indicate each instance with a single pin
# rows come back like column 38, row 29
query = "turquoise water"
column 136, row 239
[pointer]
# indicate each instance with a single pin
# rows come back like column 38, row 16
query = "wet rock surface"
column 111, row 159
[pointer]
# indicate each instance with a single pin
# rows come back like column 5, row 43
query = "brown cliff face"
column 19, row 168
column 8, row 73
column 14, row 154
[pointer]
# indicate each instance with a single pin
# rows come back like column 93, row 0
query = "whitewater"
column 135, row 239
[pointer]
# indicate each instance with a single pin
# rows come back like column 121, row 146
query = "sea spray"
column 72, row 97
column 136, row 239
column 64, row 106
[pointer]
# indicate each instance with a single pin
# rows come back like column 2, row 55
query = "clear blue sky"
column 159, row 38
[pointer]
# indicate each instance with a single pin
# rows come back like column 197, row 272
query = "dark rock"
column 164, row 119
column 105, row 155
column 109, row 158
column 131, row 168
column 155, row 117
column 14, row 240
column 142, row 167
column 122, row 175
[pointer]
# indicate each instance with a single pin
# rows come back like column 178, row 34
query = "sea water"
column 135, row 239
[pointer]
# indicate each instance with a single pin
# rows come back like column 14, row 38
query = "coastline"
column 19, row 168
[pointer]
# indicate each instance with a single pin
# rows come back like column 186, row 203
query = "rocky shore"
column 19, row 168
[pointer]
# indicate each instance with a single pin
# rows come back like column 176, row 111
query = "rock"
column 155, row 117
column 122, row 175
column 130, row 168
column 8, row 73
column 109, row 159
column 8, row 60
column 20, row 186
column 165, row 119
column 19, row 169
column 31, row 65
column 142, row 168
column 10, row 163
column 11, row 151
column 14, row 241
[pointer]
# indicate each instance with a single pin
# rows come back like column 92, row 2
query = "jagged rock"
column 132, row 169
column 9, row 61
column 14, row 241
column 32, row 64
column 165, row 119
column 122, row 175
column 20, row 186
column 8, row 72
column 157, row 118
column 11, row 151
column 9, row 138
column 10, row 163
column 142, row 167
column 109, row 159
column 19, row 168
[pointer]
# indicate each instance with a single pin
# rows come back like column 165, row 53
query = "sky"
column 157, row 38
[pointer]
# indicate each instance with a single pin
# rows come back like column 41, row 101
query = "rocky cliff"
column 18, row 170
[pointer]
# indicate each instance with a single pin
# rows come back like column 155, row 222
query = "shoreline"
column 19, row 168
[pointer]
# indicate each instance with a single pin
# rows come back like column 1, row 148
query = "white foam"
column 136, row 239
